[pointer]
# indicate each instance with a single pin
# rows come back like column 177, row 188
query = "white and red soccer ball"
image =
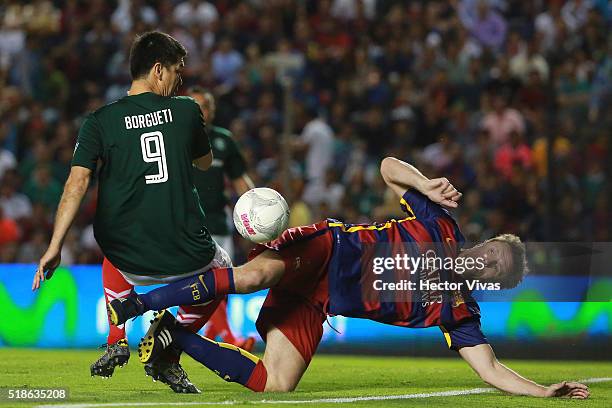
column 261, row 214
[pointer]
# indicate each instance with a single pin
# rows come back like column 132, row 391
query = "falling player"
column 228, row 163
column 149, row 222
column 317, row 270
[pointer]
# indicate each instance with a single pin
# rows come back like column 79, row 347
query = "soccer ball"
column 261, row 214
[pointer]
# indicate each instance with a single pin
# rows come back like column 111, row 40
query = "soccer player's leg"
column 292, row 314
column 115, row 287
column 167, row 367
column 263, row 271
column 292, row 329
column 260, row 273
column 228, row 361
column 117, row 350
column 291, row 318
column 289, row 348
column 285, row 365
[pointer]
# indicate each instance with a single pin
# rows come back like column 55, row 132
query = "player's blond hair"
column 519, row 269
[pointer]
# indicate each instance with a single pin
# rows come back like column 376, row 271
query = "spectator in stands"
column 192, row 12
column 32, row 250
column 352, row 9
column 9, row 236
column 42, row 188
column 15, row 205
column 317, row 140
column 488, row 27
column 502, row 120
column 546, row 25
column 329, row 192
column 528, row 60
column 515, row 153
column 7, row 161
column 127, row 11
column 575, row 13
column 226, row 63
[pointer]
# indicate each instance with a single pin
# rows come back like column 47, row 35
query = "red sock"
column 115, row 286
column 258, row 379
column 224, row 281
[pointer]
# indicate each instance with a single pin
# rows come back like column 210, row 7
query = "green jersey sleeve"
column 235, row 165
column 201, row 140
column 89, row 144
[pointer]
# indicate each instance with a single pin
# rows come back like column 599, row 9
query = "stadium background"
column 508, row 99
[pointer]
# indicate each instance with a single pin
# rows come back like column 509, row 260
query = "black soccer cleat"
column 172, row 374
column 116, row 354
column 122, row 309
column 158, row 337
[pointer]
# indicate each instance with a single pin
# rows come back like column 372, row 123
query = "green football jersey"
column 148, row 219
column 227, row 161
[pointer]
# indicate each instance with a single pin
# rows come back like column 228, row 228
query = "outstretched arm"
column 74, row 191
column 482, row 360
column 401, row 176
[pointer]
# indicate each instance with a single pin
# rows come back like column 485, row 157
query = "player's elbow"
column 389, row 170
column 203, row 163
column 385, row 166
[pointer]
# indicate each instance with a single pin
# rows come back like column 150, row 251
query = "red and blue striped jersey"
column 428, row 230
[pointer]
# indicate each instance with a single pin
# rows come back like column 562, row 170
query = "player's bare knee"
column 260, row 273
column 280, row 388
column 248, row 279
column 276, row 384
column 273, row 267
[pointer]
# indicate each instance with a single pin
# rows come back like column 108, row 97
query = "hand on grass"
column 567, row 389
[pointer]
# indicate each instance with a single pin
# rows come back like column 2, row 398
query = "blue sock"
column 226, row 360
column 193, row 290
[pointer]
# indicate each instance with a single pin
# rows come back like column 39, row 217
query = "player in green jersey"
column 228, row 164
column 149, row 222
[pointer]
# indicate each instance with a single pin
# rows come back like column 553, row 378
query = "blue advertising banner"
column 69, row 311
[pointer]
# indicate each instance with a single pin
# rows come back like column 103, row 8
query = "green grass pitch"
column 329, row 376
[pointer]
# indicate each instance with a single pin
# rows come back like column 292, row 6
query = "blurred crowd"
column 473, row 90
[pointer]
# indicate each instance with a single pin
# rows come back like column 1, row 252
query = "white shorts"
column 226, row 242
column 221, row 260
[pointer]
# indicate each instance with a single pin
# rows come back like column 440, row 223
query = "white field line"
column 453, row 393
